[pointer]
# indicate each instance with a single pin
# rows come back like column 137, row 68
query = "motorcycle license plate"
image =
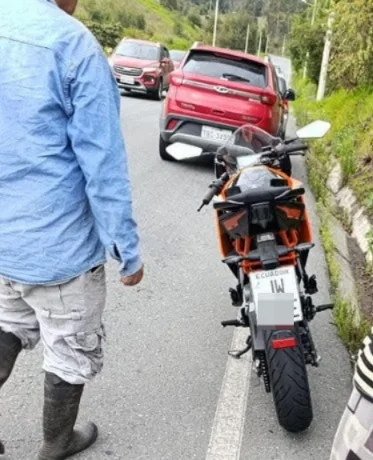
column 280, row 281
column 215, row 134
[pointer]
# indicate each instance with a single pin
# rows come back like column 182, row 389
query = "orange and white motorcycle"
column 264, row 236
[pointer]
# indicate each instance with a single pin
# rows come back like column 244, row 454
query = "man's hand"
column 134, row 279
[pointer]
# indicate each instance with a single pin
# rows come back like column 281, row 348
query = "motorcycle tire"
column 289, row 385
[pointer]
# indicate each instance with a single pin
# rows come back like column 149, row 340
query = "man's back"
column 47, row 229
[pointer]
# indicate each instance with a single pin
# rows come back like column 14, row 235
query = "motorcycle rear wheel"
column 290, row 387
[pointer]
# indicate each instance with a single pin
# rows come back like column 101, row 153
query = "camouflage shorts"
column 66, row 317
column 354, row 438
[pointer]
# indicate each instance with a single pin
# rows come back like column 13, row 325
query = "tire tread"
column 290, row 388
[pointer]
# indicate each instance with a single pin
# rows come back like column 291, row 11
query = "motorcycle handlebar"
column 210, row 195
column 214, row 189
column 295, row 148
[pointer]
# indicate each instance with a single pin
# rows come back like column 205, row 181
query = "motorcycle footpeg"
column 321, row 308
column 232, row 322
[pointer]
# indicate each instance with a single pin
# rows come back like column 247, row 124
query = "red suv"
column 215, row 91
column 142, row 66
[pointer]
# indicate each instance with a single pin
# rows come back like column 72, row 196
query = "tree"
column 352, row 45
column 306, row 39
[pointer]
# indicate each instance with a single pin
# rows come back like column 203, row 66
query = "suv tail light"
column 172, row 124
column 176, row 79
column 268, row 98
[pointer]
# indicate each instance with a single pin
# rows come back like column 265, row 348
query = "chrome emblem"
column 221, row 89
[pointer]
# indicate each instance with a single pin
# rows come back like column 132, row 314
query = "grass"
column 351, row 331
column 350, row 142
column 351, row 325
column 351, row 135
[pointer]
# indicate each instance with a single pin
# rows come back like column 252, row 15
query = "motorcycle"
column 264, row 236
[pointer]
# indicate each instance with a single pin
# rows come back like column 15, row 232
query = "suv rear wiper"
column 231, row 76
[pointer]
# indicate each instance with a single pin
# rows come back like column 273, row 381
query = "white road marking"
column 227, row 431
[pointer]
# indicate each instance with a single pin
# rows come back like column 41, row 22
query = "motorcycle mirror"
column 315, row 130
column 181, row 151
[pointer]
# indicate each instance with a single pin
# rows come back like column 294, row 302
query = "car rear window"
column 222, row 67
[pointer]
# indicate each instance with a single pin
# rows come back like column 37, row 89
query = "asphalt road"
column 166, row 364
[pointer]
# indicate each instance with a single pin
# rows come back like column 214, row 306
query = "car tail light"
column 289, row 342
column 172, row 124
column 268, row 98
column 176, row 79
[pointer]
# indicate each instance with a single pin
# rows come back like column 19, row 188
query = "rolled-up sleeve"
column 96, row 138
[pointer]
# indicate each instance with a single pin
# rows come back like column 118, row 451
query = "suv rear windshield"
column 138, row 51
column 222, row 67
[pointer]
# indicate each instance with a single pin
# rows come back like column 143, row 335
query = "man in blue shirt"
column 65, row 201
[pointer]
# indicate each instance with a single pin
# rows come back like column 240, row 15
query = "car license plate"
column 127, row 80
column 279, row 281
column 215, row 134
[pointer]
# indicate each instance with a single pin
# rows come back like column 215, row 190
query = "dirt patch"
column 364, row 280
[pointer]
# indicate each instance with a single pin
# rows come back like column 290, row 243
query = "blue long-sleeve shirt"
column 65, row 195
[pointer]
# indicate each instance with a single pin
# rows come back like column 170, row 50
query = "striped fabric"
column 364, row 368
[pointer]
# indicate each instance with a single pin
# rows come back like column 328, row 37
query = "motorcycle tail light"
column 288, row 342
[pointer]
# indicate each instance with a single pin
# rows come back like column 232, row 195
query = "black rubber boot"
column 10, row 347
column 61, row 406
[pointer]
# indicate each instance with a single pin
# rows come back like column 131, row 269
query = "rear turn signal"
column 289, row 342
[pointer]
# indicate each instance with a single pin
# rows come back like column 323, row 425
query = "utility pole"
column 325, row 59
column 247, row 38
column 260, row 41
column 312, row 24
column 284, row 46
column 215, row 23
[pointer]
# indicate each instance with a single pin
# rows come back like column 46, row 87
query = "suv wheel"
column 163, row 152
column 158, row 93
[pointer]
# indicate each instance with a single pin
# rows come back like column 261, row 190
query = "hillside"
column 178, row 23
column 112, row 19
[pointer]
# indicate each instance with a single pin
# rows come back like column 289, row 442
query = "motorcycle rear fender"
column 258, row 334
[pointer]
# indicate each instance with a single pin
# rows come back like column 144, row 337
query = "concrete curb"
column 344, row 197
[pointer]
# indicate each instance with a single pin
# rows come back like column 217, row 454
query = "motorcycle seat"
column 258, row 195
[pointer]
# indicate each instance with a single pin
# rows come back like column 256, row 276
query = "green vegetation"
column 351, row 325
column 112, row 20
column 351, row 331
column 350, row 141
column 351, row 137
column 349, row 108
column 178, row 23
